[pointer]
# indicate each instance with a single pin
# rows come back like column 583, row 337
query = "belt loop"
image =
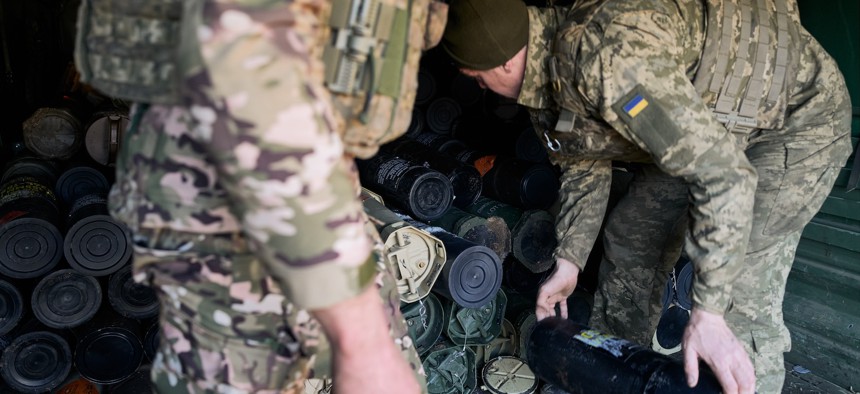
column 155, row 237
column 239, row 242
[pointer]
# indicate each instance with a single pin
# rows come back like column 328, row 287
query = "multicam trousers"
column 226, row 327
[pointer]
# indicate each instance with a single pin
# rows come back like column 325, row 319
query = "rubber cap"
column 11, row 307
column 79, row 181
column 151, row 340
column 98, row 245
column 108, row 355
column 475, row 276
column 66, row 299
column 441, row 115
column 29, row 247
column 129, row 298
column 36, row 362
column 430, row 196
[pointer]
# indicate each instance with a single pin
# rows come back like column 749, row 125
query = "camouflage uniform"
column 636, row 81
column 244, row 208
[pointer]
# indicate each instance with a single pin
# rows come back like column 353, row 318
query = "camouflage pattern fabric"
column 244, row 209
column 750, row 192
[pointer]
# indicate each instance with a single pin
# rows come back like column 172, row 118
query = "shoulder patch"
column 635, row 105
column 648, row 121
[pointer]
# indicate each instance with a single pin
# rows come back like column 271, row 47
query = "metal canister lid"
column 477, row 326
column 425, row 320
column 52, row 133
column 451, row 370
column 509, row 375
column 104, row 137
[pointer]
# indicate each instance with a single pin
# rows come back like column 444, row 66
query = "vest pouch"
column 371, row 67
column 135, row 50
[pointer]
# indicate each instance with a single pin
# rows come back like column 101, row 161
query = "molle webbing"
column 742, row 75
column 132, row 50
column 361, row 29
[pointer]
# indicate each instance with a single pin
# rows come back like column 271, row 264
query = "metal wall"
column 822, row 301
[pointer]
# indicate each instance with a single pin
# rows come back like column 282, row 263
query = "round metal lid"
column 509, row 375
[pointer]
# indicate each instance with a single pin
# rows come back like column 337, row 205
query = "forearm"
column 584, row 195
column 356, row 326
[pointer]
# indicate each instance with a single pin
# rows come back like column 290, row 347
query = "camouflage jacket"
column 630, row 67
column 253, row 151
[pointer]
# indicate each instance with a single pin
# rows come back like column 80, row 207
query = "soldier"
column 732, row 98
column 242, row 204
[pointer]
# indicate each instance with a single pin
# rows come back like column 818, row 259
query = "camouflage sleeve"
column 583, row 196
column 281, row 160
column 631, row 72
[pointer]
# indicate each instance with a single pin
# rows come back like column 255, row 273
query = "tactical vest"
column 371, row 65
column 750, row 57
column 741, row 76
column 138, row 50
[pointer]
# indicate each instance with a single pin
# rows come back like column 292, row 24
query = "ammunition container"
column 472, row 273
column 451, row 370
column 423, row 192
column 441, row 115
column 417, row 257
column 29, row 219
column 532, row 231
column 476, row 326
column 465, row 180
column 425, row 320
column 95, row 244
column 581, row 360
column 491, row 232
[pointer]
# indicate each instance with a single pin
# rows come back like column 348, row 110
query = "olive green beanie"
column 484, row 34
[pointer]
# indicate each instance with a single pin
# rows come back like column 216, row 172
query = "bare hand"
column 556, row 289
column 707, row 337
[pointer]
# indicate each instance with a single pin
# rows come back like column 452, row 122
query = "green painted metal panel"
column 822, row 301
column 834, row 23
column 835, row 258
column 849, row 239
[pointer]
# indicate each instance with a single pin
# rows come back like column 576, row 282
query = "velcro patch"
column 648, row 121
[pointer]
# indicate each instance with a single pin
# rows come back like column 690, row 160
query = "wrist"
column 356, row 325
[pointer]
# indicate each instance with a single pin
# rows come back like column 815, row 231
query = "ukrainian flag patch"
column 635, row 105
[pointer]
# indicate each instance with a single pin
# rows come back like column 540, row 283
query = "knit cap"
column 484, row 34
